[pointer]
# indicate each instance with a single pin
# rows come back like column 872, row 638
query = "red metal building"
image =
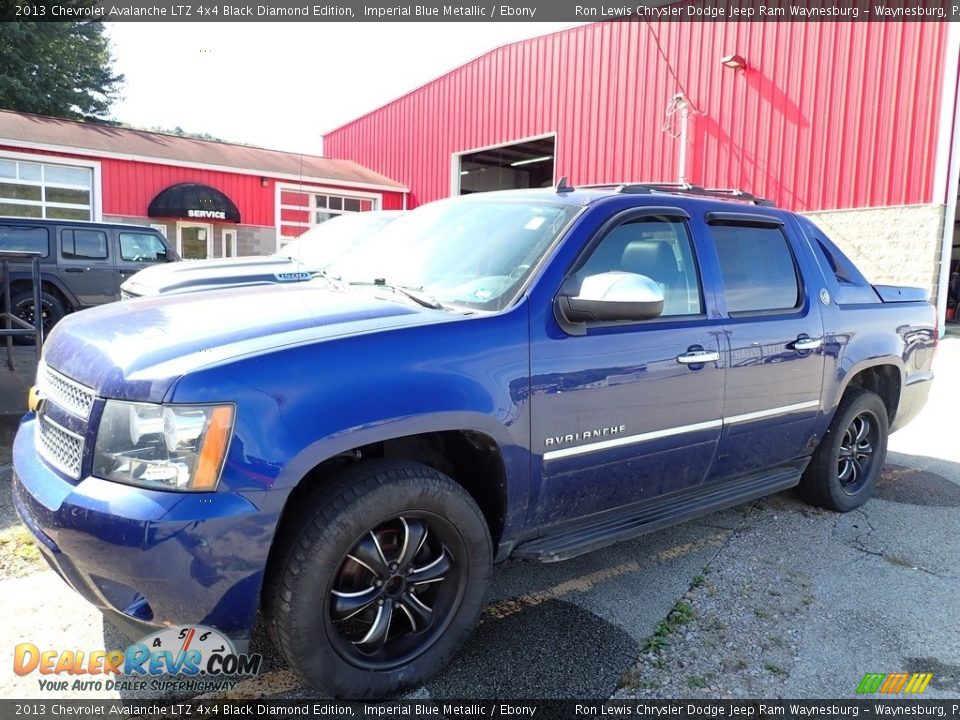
column 819, row 117
column 65, row 169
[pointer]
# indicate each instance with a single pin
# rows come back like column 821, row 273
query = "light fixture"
column 264, row 182
column 530, row 161
column 464, row 172
column 734, row 61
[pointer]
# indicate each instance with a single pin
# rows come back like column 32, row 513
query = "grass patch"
column 697, row 681
column 19, row 554
column 774, row 669
column 699, row 580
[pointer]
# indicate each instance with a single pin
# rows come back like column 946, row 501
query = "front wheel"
column 843, row 472
column 379, row 584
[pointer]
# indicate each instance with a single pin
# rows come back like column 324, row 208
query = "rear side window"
column 15, row 238
column 83, row 245
column 759, row 274
column 142, row 247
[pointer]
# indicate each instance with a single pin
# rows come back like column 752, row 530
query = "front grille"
column 59, row 447
column 73, row 397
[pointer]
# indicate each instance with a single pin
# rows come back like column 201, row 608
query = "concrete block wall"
column 891, row 245
column 251, row 239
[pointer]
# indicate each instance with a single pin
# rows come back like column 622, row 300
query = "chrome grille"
column 73, row 397
column 59, row 447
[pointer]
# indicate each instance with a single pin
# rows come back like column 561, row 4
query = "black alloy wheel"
column 395, row 590
column 855, row 459
column 843, row 471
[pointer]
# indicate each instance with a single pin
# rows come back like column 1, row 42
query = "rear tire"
column 379, row 580
column 843, row 473
column 21, row 305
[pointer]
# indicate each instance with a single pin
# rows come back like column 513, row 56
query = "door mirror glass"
column 613, row 297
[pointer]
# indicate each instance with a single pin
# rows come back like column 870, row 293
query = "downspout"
column 948, row 184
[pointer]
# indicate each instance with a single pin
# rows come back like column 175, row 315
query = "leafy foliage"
column 63, row 69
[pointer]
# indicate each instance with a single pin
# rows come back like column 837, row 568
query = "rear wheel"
column 843, row 472
column 381, row 581
column 52, row 311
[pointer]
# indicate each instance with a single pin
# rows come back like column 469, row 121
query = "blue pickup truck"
column 525, row 374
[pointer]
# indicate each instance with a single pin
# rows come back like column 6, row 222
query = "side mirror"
column 610, row 297
column 171, row 255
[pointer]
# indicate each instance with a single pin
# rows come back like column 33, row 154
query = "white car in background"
column 302, row 259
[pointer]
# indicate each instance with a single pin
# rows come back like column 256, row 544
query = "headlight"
column 169, row 447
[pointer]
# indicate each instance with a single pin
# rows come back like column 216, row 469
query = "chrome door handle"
column 807, row 343
column 695, row 357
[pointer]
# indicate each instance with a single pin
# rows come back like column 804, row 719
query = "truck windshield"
column 470, row 252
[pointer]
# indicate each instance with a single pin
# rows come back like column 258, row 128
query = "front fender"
column 301, row 405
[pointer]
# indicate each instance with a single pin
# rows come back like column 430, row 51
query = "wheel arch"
column 882, row 376
column 471, row 457
column 20, row 282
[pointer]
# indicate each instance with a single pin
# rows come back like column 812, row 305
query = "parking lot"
column 768, row 599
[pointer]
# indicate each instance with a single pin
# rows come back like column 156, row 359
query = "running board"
column 584, row 536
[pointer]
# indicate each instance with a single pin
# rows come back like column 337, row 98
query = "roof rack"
column 682, row 189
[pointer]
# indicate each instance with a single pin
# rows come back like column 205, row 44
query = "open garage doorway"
column 524, row 164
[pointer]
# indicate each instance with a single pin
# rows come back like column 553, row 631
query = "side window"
column 659, row 248
column 83, row 245
column 15, row 238
column 757, row 268
column 142, row 247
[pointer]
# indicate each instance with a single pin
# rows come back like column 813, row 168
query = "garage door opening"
column 527, row 164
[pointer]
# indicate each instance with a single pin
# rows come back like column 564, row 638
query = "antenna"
column 562, row 186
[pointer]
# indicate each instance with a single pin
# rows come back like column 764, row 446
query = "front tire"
column 843, row 473
column 380, row 581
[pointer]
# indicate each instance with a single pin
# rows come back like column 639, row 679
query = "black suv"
column 82, row 264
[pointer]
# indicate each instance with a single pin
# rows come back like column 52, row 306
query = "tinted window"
column 83, row 245
column 757, row 268
column 142, row 247
column 659, row 248
column 24, row 239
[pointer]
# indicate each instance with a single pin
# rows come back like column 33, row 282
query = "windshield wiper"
column 415, row 294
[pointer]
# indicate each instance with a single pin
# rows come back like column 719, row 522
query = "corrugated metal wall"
column 826, row 115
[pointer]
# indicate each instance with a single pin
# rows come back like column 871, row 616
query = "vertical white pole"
column 682, row 160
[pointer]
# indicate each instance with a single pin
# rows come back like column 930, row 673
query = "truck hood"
column 136, row 350
column 192, row 275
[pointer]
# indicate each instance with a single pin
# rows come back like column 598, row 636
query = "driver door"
column 621, row 413
column 138, row 250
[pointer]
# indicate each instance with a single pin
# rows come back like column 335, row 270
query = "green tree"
column 62, row 69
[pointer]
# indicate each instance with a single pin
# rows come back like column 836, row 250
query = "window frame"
column 93, row 207
column 673, row 213
column 751, row 220
column 83, row 259
column 311, row 209
column 158, row 237
column 26, row 224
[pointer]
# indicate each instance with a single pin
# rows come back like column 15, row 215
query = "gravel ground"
column 769, row 599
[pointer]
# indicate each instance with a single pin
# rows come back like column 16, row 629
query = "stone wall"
column 890, row 245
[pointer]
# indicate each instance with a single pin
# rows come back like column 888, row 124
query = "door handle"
column 807, row 343
column 74, row 269
column 696, row 357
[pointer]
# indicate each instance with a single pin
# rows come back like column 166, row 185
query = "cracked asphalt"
column 768, row 599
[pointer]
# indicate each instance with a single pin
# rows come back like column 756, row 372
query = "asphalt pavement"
column 768, row 599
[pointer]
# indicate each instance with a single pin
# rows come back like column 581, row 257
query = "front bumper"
column 148, row 559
